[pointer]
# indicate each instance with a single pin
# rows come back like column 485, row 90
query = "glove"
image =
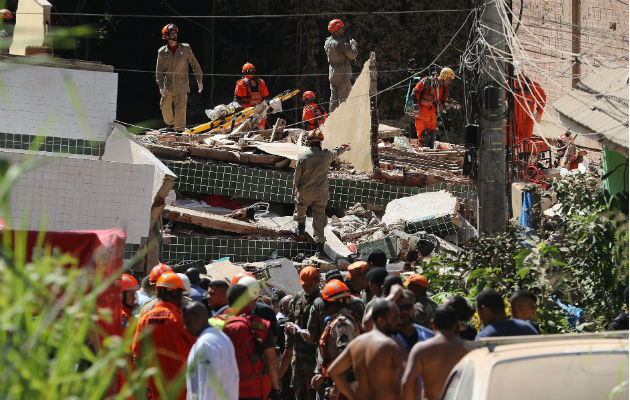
column 162, row 91
column 274, row 394
column 276, row 105
column 200, row 87
column 538, row 118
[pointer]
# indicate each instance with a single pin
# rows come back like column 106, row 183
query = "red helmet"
column 157, row 271
column 167, row 29
column 335, row 290
column 248, row 68
column 171, row 281
column 308, row 95
column 335, row 25
column 238, row 277
column 315, row 135
column 129, row 283
column 6, row 14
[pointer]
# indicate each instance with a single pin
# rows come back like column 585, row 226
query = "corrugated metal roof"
column 600, row 103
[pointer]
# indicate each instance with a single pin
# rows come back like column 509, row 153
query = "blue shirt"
column 196, row 292
column 423, row 334
column 507, row 327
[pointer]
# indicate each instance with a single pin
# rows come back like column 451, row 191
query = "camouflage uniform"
column 424, row 311
column 304, row 354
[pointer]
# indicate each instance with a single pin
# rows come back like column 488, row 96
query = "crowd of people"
column 364, row 333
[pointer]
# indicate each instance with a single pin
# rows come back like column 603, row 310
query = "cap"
column 219, row 282
column 377, row 275
column 357, row 267
column 418, row 279
column 333, row 274
column 377, row 258
column 308, row 275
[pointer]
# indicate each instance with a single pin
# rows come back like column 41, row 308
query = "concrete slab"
column 283, row 275
column 334, row 247
column 223, row 269
column 422, row 206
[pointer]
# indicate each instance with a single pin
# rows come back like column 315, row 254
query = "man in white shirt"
column 212, row 370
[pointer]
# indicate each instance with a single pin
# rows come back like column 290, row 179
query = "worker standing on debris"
column 529, row 103
column 312, row 114
column 339, row 52
column 250, row 90
column 162, row 330
column 310, row 185
column 171, row 75
column 429, row 96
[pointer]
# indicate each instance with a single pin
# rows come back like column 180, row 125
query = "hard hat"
column 357, row 267
column 236, row 278
column 170, row 281
column 157, row 271
column 6, row 14
column 417, row 279
column 308, row 274
column 446, row 72
column 335, row 25
column 186, row 281
column 335, row 290
column 308, row 95
column 129, row 283
column 248, row 67
column 315, row 135
column 252, row 285
column 518, row 67
column 167, row 29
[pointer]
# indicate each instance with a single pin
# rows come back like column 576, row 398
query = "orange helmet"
column 167, row 29
column 171, row 281
column 335, row 290
column 248, row 68
column 308, row 95
column 157, row 271
column 129, row 283
column 238, row 277
column 315, row 135
column 6, row 14
column 335, row 25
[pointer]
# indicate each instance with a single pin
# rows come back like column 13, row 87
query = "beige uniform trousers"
column 320, row 220
column 173, row 108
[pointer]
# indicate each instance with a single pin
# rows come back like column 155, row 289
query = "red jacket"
column 529, row 96
column 168, row 338
column 250, row 91
column 313, row 116
column 428, row 96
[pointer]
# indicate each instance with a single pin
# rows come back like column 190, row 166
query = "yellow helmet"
column 447, row 73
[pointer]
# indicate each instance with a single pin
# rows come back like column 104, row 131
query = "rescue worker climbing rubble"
column 312, row 114
column 529, row 103
column 339, row 52
column 250, row 90
column 171, row 75
column 430, row 95
column 310, row 184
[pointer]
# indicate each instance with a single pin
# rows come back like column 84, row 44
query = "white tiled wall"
column 78, row 193
column 78, row 104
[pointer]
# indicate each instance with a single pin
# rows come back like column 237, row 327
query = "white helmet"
column 253, row 286
column 186, row 281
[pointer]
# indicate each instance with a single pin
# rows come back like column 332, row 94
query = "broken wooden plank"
column 219, row 222
column 166, row 151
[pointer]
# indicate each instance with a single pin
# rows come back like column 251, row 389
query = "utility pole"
column 492, row 211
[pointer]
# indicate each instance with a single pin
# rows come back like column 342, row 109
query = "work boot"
column 301, row 227
column 319, row 253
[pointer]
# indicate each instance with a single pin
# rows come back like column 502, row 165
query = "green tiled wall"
column 52, row 144
column 266, row 185
column 388, row 244
column 441, row 226
column 177, row 249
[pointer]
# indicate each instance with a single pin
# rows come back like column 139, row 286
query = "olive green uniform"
column 304, row 354
column 424, row 311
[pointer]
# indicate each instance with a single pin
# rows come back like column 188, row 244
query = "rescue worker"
column 171, row 75
column 7, row 25
column 310, row 184
column 154, row 275
column 425, row 306
column 312, row 114
column 304, row 346
column 162, row 330
column 250, row 90
column 429, row 96
column 129, row 288
column 339, row 52
column 357, row 280
column 529, row 103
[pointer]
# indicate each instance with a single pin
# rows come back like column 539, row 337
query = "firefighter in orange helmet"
column 162, row 330
column 154, row 275
column 312, row 114
column 529, row 103
column 429, row 96
column 250, row 90
column 171, row 75
column 129, row 288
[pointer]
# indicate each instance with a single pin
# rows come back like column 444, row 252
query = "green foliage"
column 579, row 257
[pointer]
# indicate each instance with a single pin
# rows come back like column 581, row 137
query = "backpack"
column 340, row 330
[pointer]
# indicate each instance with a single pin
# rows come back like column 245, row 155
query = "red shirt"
column 168, row 338
column 251, row 91
column 172, row 49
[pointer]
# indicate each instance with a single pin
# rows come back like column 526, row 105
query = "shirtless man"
column 434, row 358
column 376, row 359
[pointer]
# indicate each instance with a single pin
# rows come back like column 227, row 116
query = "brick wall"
column 69, row 103
column 546, row 35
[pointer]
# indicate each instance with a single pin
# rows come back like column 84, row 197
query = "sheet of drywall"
column 350, row 123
